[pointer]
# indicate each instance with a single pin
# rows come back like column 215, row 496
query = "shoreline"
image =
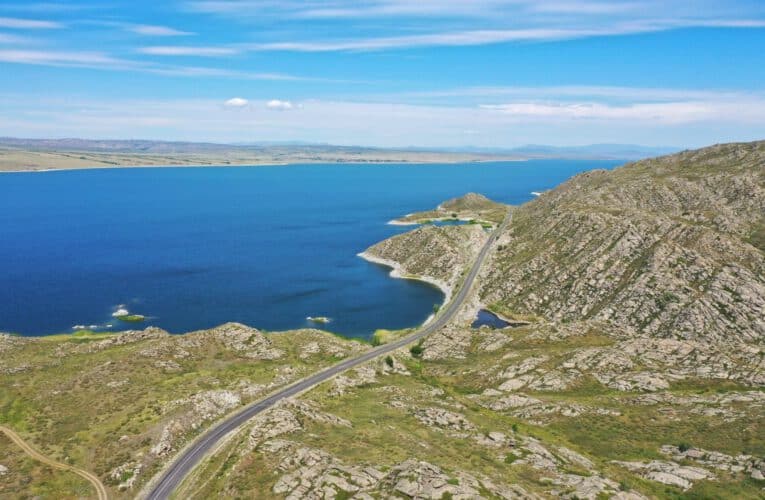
column 397, row 272
column 420, row 222
column 266, row 164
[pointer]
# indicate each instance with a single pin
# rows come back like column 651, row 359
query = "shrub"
column 683, row 447
column 389, row 361
column 416, row 350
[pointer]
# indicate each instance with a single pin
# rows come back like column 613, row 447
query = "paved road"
column 194, row 454
column 91, row 478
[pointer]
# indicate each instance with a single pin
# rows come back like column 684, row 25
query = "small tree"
column 389, row 361
column 416, row 350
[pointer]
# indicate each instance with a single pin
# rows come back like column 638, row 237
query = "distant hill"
column 591, row 152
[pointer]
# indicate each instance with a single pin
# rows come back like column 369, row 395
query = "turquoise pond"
column 191, row 248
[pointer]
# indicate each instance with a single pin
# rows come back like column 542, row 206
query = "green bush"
column 416, row 350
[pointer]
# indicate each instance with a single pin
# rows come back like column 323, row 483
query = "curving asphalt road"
column 192, row 455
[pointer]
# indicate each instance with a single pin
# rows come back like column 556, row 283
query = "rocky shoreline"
column 398, row 272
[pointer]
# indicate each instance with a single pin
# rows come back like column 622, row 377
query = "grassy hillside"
column 120, row 405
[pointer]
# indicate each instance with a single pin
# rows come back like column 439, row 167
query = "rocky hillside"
column 438, row 254
column 670, row 247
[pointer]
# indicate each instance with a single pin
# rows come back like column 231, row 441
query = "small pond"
column 488, row 318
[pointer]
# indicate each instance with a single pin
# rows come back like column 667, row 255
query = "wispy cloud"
column 564, row 93
column 56, row 58
column 461, row 38
column 426, row 8
column 48, row 7
column 487, row 37
column 101, row 61
column 667, row 112
column 152, row 30
column 28, row 24
column 434, row 23
column 173, row 50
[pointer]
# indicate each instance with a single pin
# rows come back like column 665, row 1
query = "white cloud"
column 236, row 102
column 100, row 61
column 668, row 112
column 279, row 105
column 423, row 8
column 151, row 30
column 30, row 24
column 431, row 23
column 486, row 37
column 171, row 50
column 53, row 58
column 396, row 125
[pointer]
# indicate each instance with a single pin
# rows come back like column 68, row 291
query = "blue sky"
column 494, row 73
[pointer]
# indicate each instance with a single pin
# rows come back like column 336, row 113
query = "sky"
column 391, row 73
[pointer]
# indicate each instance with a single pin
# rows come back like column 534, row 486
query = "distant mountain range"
column 131, row 146
column 592, row 151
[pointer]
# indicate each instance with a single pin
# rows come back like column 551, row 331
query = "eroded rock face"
column 247, row 341
column 754, row 467
column 669, row 473
column 665, row 254
column 438, row 254
column 450, row 342
column 312, row 473
column 444, row 419
column 200, row 407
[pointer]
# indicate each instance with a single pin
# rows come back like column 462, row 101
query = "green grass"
column 131, row 318
column 63, row 404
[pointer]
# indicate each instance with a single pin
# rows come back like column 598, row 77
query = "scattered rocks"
column 669, row 473
column 364, row 375
column 126, row 475
column 752, row 466
column 272, row 423
column 445, row 419
column 247, row 341
column 447, row 343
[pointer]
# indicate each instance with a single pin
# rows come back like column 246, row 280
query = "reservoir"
column 191, row 248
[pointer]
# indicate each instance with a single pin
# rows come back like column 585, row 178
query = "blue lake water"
column 192, row 248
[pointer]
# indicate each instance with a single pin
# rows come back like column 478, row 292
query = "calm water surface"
column 192, row 248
